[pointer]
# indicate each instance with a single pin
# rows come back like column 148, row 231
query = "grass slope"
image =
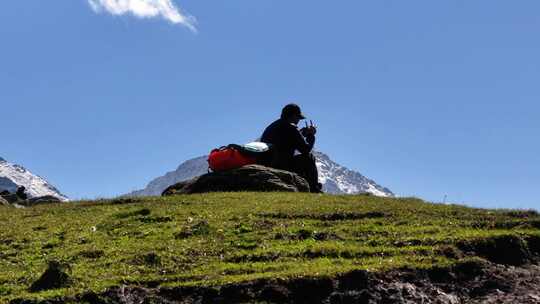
column 221, row 238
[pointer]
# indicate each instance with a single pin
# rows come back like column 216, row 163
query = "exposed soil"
column 472, row 281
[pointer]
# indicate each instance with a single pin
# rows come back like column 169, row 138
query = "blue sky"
column 428, row 98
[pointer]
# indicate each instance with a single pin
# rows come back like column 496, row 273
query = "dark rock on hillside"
column 54, row 277
column 47, row 199
column 11, row 198
column 3, row 202
column 247, row 178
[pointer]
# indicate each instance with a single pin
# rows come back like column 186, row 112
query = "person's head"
column 292, row 113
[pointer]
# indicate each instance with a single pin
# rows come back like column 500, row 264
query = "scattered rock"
column 3, row 202
column 54, row 277
column 247, row 178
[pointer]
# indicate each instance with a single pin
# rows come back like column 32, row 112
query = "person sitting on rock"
column 21, row 193
column 285, row 138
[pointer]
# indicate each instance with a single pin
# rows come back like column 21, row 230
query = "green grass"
column 221, row 238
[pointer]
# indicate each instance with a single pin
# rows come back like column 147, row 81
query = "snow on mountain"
column 13, row 176
column 340, row 180
column 335, row 178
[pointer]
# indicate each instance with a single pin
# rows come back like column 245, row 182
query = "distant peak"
column 2, row 160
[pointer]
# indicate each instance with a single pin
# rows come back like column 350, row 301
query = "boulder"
column 247, row 178
column 55, row 276
column 3, row 202
column 47, row 199
column 11, row 198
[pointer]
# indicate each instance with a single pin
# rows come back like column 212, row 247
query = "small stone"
column 54, row 277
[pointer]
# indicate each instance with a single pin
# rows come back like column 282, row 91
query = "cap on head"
column 292, row 110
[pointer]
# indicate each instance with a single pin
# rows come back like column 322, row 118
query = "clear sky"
column 428, row 98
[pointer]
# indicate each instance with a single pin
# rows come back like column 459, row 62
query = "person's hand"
column 309, row 130
column 313, row 127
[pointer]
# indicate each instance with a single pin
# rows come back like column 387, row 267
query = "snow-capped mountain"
column 336, row 179
column 13, row 176
column 340, row 180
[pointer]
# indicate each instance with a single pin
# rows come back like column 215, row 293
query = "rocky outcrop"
column 247, row 178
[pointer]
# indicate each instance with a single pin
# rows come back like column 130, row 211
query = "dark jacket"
column 285, row 139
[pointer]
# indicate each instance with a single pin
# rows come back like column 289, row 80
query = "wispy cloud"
column 145, row 9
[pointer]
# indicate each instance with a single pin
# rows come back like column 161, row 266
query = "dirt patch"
column 534, row 245
column 470, row 281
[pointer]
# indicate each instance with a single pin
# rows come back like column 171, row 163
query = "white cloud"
column 145, row 9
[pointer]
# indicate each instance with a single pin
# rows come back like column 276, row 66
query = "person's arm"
column 304, row 145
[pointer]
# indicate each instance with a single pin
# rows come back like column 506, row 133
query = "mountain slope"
column 335, row 178
column 338, row 179
column 12, row 176
column 268, row 248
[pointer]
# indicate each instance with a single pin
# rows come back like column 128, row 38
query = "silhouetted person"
column 286, row 139
column 21, row 193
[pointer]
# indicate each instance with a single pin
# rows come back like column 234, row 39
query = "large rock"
column 11, row 198
column 247, row 178
column 3, row 202
column 47, row 199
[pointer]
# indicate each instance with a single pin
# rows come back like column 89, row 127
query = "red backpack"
column 229, row 157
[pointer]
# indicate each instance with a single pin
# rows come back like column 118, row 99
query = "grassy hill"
column 221, row 239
